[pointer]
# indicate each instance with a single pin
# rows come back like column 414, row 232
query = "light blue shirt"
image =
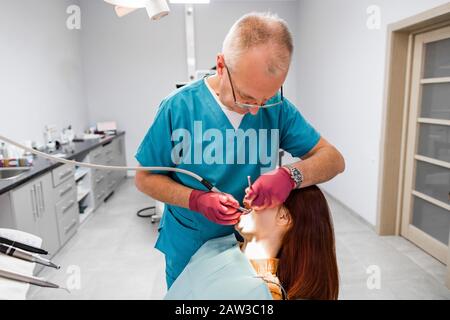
column 192, row 132
column 219, row 271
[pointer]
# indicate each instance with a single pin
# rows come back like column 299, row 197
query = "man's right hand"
column 220, row 208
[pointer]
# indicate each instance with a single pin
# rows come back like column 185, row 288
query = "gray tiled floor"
column 114, row 252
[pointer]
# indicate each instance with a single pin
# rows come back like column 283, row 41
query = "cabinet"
column 33, row 206
column 53, row 205
column 65, row 202
column 104, row 182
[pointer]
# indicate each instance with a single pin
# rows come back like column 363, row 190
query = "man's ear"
column 220, row 64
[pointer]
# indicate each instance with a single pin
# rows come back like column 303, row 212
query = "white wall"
column 340, row 86
column 131, row 63
column 40, row 69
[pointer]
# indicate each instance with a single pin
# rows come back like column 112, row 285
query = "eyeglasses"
column 248, row 106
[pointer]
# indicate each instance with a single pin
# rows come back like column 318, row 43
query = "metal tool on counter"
column 23, row 255
column 30, row 280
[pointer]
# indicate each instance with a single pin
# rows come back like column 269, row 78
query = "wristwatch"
column 296, row 175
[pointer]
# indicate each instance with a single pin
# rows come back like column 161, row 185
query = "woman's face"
column 262, row 223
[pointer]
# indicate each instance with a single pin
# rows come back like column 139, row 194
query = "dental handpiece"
column 242, row 209
column 29, row 280
column 23, row 255
column 44, row 155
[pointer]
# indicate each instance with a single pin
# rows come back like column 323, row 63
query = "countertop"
column 75, row 151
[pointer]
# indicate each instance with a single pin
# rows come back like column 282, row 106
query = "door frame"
column 400, row 45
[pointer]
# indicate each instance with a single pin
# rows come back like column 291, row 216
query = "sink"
column 12, row 173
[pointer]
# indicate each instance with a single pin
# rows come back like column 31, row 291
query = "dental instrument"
column 44, row 155
column 30, row 280
column 23, row 255
column 22, row 246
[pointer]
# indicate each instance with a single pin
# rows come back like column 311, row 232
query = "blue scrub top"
column 192, row 132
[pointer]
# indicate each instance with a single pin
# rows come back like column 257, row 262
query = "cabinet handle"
column 73, row 224
column 71, row 203
column 63, row 192
column 38, row 200
column 42, row 196
column 33, row 203
column 99, row 179
column 65, row 174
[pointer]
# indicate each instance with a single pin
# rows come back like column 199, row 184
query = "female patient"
column 288, row 253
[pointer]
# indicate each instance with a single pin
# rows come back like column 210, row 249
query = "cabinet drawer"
column 109, row 149
column 62, row 174
column 99, row 190
column 98, row 180
column 111, row 159
column 67, row 206
column 99, row 197
column 97, row 156
column 64, row 189
column 111, row 184
column 68, row 227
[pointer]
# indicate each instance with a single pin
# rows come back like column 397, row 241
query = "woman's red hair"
column 308, row 267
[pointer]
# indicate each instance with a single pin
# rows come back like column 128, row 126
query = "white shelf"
column 87, row 212
column 80, row 173
column 82, row 194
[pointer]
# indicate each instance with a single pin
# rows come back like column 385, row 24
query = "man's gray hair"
column 255, row 29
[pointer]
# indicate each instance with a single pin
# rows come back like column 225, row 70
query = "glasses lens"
column 276, row 100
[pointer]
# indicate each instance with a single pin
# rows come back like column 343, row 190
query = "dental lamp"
column 156, row 9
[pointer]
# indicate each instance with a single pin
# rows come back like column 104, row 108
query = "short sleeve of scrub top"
column 155, row 148
column 297, row 136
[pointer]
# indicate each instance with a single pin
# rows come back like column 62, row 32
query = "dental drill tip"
column 65, row 289
column 48, row 264
column 243, row 210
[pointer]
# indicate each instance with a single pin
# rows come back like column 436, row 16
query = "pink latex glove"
column 216, row 207
column 270, row 189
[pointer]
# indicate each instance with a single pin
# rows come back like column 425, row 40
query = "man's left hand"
column 270, row 189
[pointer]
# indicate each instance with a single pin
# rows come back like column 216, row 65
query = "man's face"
column 251, row 82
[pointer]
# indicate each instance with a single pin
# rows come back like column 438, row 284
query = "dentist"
column 224, row 128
